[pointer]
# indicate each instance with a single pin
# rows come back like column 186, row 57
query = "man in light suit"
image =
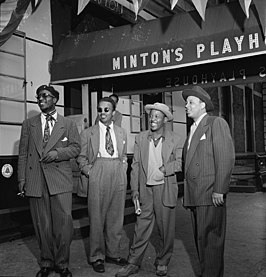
column 48, row 141
column 103, row 160
column 157, row 159
column 208, row 163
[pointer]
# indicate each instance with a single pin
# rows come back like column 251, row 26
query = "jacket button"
column 30, row 167
column 197, row 164
column 194, row 177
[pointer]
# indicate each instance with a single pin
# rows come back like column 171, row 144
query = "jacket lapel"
column 119, row 140
column 167, row 147
column 95, row 140
column 36, row 129
column 144, row 151
column 201, row 129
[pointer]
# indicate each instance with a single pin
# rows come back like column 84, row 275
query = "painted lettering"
column 253, row 41
column 213, row 52
column 226, row 46
column 200, row 49
column 179, row 55
column 143, row 56
column 239, row 42
column 116, row 63
column 166, row 56
column 262, row 71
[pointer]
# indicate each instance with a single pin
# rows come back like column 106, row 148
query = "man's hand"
column 162, row 168
column 21, row 188
column 50, row 157
column 217, row 199
column 134, row 195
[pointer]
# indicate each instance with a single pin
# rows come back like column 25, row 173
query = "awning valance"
column 161, row 44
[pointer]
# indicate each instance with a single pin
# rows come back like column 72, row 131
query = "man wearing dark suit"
column 208, row 163
column 103, row 160
column 157, row 159
column 48, row 141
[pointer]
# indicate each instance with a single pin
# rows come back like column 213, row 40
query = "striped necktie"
column 108, row 142
column 46, row 133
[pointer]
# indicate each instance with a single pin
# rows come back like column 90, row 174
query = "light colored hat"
column 202, row 94
column 160, row 107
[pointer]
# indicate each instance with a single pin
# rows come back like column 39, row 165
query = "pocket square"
column 203, row 137
column 64, row 139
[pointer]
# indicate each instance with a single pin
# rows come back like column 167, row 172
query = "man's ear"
column 203, row 105
column 165, row 119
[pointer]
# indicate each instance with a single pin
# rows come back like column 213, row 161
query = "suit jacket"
column 209, row 162
column 171, row 156
column 90, row 142
column 64, row 139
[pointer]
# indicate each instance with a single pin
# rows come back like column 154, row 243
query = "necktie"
column 193, row 128
column 46, row 133
column 108, row 142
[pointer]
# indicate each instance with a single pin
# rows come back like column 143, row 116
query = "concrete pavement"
column 245, row 250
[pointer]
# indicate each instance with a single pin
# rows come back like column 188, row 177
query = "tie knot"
column 49, row 116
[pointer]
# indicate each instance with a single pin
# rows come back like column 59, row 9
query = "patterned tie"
column 108, row 142
column 193, row 128
column 46, row 133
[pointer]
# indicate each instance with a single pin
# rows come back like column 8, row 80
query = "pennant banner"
column 139, row 5
column 81, row 5
column 245, row 6
column 261, row 9
column 173, row 3
column 200, row 6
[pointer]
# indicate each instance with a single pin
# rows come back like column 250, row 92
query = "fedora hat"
column 199, row 92
column 160, row 107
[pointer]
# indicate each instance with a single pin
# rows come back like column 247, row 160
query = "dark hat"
column 160, row 107
column 199, row 92
column 53, row 91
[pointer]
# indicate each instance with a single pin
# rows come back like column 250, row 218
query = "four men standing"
column 45, row 176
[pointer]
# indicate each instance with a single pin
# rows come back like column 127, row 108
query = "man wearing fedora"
column 48, row 141
column 208, row 163
column 157, row 159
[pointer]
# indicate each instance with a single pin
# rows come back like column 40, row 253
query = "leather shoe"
column 161, row 270
column 44, row 272
column 64, row 272
column 127, row 270
column 117, row 261
column 98, row 266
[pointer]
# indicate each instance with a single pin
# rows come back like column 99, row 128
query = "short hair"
column 107, row 99
column 53, row 91
column 115, row 96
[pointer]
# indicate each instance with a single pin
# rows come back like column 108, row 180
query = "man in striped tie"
column 103, row 160
column 48, row 141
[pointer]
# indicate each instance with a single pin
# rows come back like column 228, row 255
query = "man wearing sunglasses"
column 117, row 116
column 48, row 141
column 103, row 160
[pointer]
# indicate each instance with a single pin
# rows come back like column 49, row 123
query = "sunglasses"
column 106, row 110
column 43, row 95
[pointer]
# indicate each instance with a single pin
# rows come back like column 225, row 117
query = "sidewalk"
column 245, row 251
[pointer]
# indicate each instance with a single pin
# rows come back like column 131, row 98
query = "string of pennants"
column 200, row 6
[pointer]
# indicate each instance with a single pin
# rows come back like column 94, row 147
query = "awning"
column 162, row 44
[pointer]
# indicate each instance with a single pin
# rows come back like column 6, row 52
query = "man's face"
column 105, row 112
column 194, row 107
column 46, row 101
column 157, row 119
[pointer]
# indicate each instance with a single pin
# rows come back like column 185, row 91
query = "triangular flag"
column 82, row 4
column 200, row 6
column 245, row 6
column 139, row 5
column 261, row 9
column 173, row 3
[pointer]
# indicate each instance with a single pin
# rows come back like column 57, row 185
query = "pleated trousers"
column 209, row 227
column 153, row 210
column 53, row 224
column 106, row 204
